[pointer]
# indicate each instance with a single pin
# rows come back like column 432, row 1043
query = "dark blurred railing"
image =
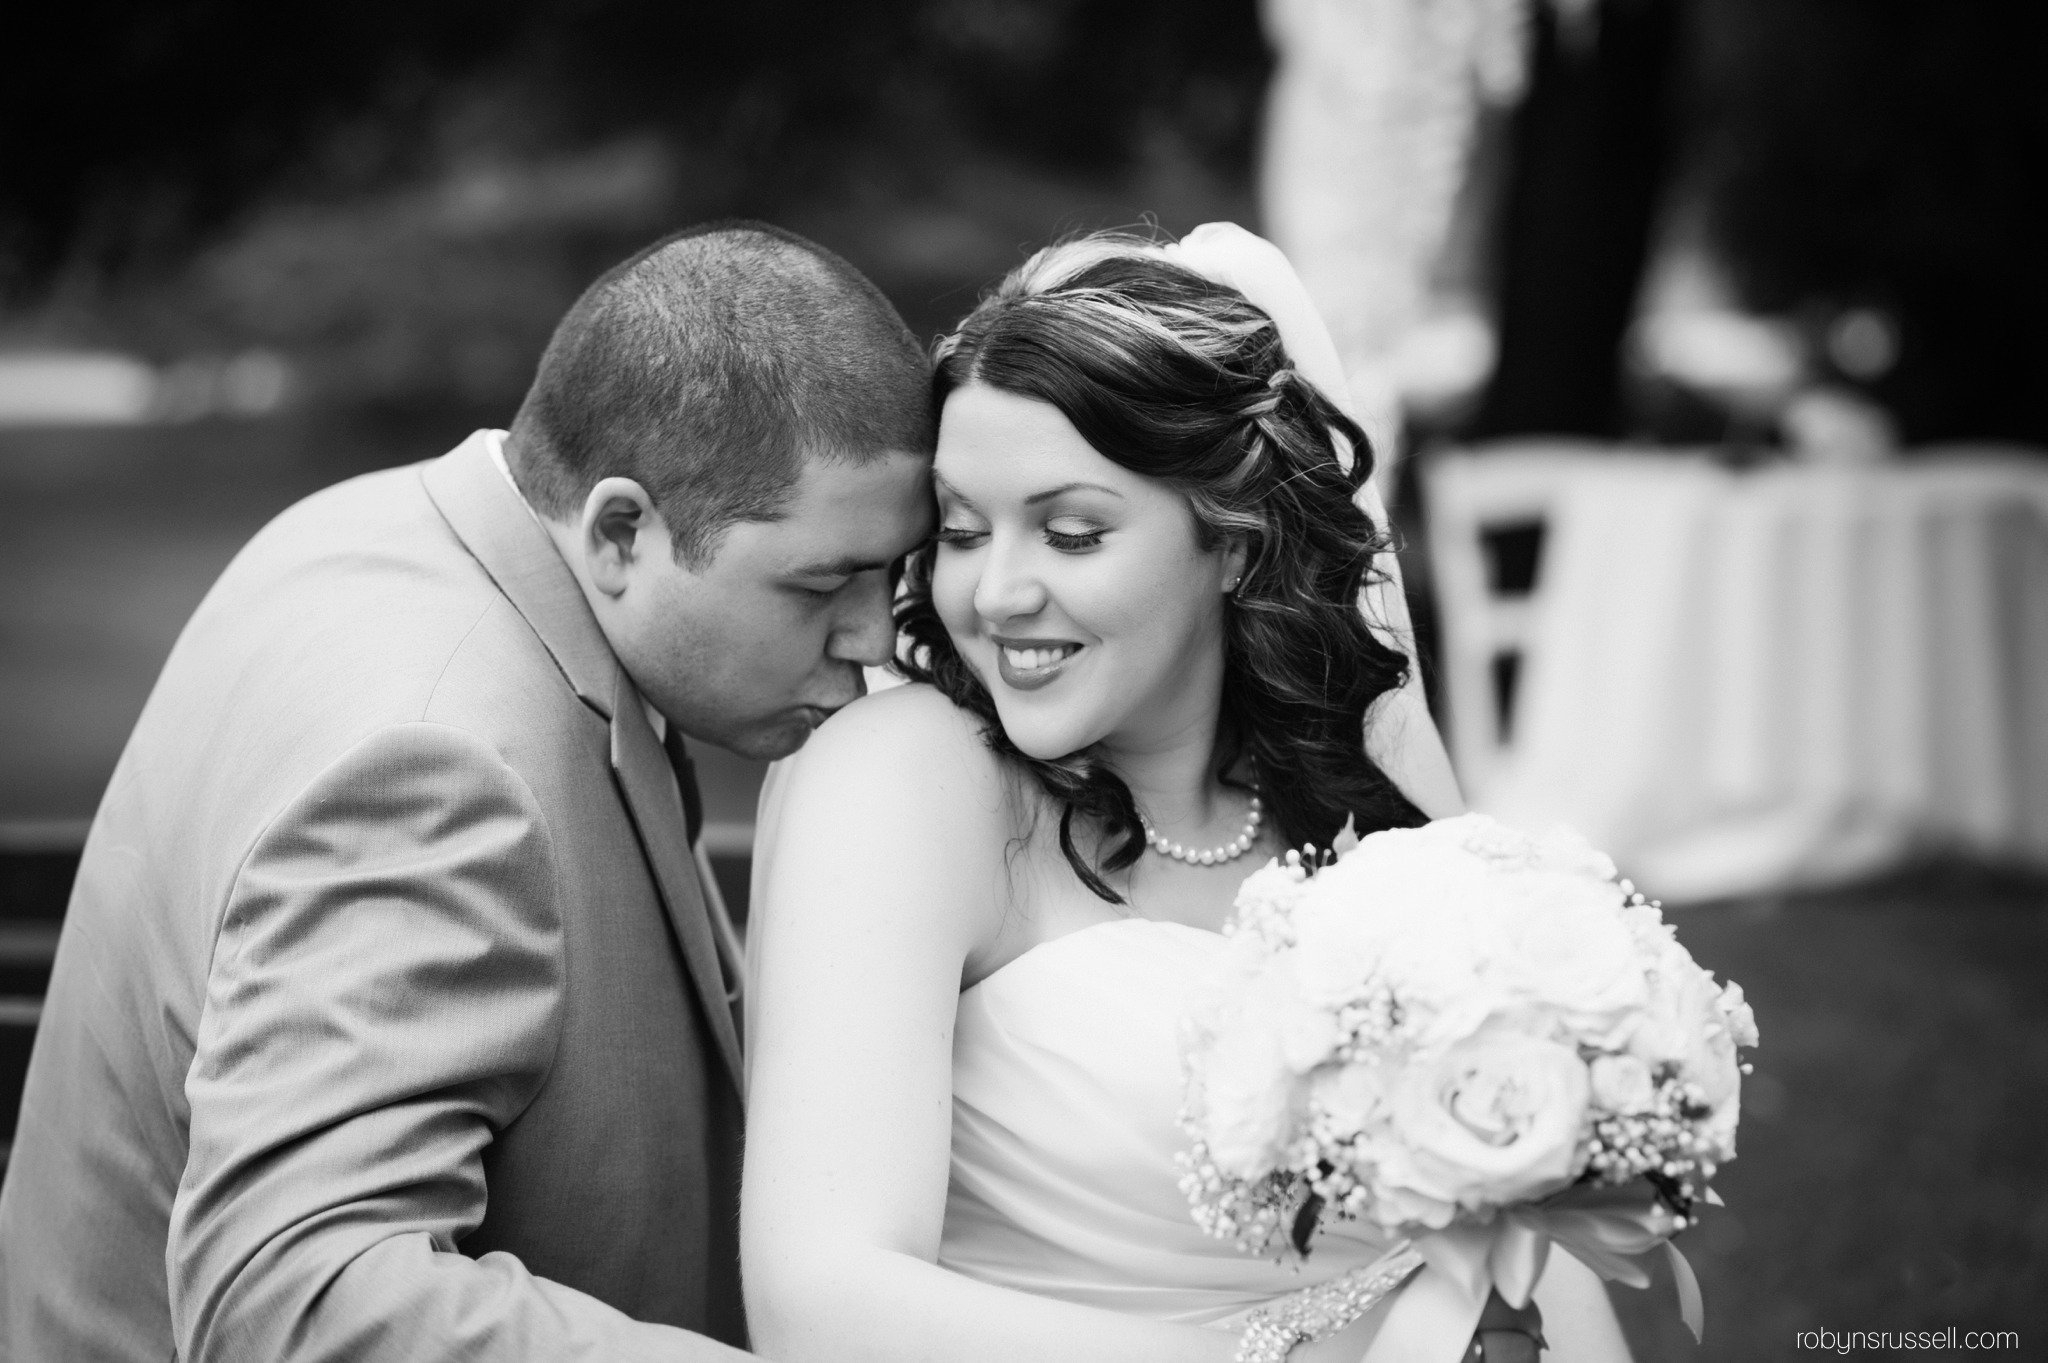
column 38, row 861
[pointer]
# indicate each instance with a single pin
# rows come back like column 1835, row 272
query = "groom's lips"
column 818, row 714
column 1027, row 664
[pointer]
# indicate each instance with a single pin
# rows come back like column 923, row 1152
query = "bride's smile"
column 1074, row 587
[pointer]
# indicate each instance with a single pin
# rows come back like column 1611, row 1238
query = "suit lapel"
column 495, row 525
column 649, row 784
column 498, row 529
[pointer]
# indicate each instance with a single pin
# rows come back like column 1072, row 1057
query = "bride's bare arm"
column 888, row 874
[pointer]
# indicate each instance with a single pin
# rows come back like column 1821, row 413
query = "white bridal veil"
column 1400, row 734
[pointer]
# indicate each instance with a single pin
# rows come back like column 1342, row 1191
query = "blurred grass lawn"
column 1893, row 1175
column 1893, row 1171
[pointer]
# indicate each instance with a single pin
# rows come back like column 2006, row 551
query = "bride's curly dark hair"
column 1178, row 378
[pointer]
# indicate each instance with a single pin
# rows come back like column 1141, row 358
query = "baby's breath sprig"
column 1256, row 1216
column 1368, row 1022
column 1308, row 859
column 1664, row 1145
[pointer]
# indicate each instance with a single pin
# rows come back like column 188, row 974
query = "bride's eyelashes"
column 1069, row 541
column 1074, row 541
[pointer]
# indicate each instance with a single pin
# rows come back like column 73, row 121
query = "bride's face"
column 1074, row 587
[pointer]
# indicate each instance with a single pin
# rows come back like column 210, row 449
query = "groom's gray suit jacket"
column 386, row 1021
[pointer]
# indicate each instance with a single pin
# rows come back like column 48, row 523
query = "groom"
column 389, row 1020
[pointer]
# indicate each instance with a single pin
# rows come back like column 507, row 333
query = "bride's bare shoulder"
column 904, row 751
column 897, row 808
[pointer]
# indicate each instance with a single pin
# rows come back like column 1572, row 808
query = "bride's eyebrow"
column 1035, row 498
column 940, row 484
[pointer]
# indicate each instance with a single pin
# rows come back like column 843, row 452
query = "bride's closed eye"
column 1072, row 535
column 1068, row 534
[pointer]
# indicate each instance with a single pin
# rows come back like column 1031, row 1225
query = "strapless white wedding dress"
column 1066, row 1094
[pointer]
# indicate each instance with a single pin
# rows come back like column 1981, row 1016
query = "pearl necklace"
column 1215, row 856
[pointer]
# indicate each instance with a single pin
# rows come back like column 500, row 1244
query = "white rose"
column 1682, row 1024
column 1504, row 847
column 1493, row 1120
column 1646, row 924
column 1267, row 895
column 1566, row 851
column 1564, row 943
column 1718, row 1130
column 1622, row 1084
column 1399, row 909
column 1434, row 972
column 1246, row 1100
column 1306, row 1029
column 1509, row 849
column 1400, row 872
column 1353, row 1099
column 1741, row 1020
column 1338, row 946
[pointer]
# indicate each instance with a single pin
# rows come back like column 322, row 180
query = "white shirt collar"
column 494, row 445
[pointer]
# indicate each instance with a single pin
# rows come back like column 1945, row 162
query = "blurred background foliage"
column 1888, row 153
column 402, row 197
column 405, row 196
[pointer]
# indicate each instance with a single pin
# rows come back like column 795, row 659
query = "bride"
column 983, row 899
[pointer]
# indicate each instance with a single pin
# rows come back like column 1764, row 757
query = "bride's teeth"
column 1031, row 659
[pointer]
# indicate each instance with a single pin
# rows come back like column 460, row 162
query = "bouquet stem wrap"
column 1605, row 1228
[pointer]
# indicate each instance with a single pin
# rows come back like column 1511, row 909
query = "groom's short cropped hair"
column 708, row 368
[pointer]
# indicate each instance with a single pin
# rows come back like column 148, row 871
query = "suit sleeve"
column 384, row 995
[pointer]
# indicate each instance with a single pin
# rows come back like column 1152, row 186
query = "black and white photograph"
column 1024, row 681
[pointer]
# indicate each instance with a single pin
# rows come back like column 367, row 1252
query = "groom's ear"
column 619, row 529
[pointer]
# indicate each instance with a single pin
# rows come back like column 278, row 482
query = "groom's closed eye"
column 824, row 578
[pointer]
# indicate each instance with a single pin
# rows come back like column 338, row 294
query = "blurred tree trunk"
column 1589, row 148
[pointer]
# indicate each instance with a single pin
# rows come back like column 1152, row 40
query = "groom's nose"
column 865, row 630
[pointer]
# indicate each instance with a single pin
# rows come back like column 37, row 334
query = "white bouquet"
column 1474, row 1038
